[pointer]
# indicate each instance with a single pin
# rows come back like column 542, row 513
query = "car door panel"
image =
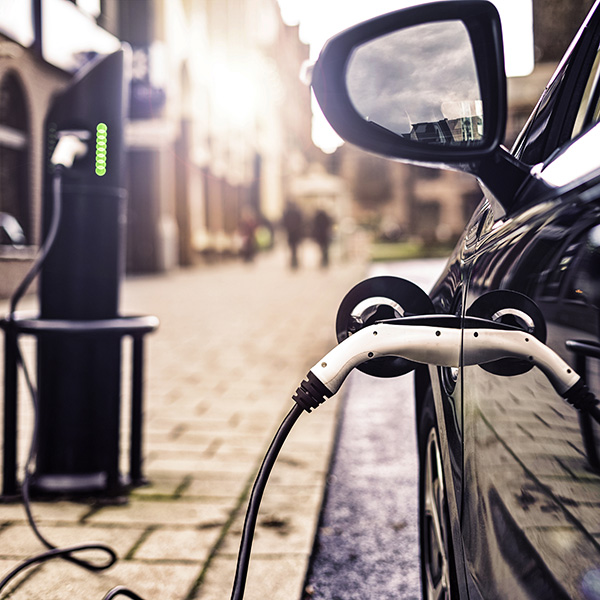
column 529, row 493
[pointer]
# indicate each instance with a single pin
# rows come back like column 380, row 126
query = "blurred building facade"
column 400, row 202
column 219, row 116
column 219, row 121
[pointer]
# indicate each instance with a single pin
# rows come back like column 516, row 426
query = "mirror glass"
column 420, row 83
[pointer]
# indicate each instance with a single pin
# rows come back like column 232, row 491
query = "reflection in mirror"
column 420, row 83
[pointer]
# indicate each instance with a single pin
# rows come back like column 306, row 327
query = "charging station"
column 79, row 329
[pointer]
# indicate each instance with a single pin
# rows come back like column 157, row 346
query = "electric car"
column 509, row 473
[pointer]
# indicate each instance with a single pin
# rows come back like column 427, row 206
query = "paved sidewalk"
column 374, row 474
column 235, row 341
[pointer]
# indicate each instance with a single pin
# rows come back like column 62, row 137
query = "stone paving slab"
column 234, row 342
column 142, row 512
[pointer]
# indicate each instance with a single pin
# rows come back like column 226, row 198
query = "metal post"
column 9, row 464
column 137, row 392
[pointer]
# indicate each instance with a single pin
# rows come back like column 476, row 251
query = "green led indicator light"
column 101, row 147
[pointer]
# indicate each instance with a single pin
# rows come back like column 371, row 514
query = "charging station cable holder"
column 135, row 327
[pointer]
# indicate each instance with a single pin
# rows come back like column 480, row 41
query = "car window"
column 562, row 111
column 589, row 107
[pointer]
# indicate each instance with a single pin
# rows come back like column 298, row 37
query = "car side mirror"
column 424, row 85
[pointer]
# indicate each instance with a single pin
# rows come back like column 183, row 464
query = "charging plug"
column 70, row 146
column 437, row 341
column 418, row 343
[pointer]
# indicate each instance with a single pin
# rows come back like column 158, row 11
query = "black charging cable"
column 48, row 241
column 243, row 560
column 68, row 553
column 260, row 483
column 122, row 591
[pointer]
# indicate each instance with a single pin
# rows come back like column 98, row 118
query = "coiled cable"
column 53, row 551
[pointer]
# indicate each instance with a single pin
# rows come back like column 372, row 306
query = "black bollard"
column 79, row 373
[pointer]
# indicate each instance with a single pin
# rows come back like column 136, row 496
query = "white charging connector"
column 70, row 146
column 487, row 345
column 442, row 340
column 418, row 343
column 434, row 345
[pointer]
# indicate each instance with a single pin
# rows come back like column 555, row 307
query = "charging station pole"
column 79, row 375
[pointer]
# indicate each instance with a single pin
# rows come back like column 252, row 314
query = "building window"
column 15, row 219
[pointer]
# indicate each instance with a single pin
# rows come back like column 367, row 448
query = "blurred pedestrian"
column 247, row 229
column 322, row 227
column 293, row 224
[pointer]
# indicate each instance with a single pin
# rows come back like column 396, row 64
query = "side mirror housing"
column 424, row 85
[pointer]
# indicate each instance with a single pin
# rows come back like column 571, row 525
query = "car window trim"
column 565, row 91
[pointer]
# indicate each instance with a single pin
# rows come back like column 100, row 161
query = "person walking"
column 322, row 227
column 293, row 224
column 247, row 230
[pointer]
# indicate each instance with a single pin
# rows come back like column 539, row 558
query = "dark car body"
column 519, row 482
column 524, row 487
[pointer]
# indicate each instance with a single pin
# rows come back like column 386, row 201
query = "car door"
column 506, row 440
column 530, row 471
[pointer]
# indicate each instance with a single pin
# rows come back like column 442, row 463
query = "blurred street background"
column 242, row 235
column 219, row 131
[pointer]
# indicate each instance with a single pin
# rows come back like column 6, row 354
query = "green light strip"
column 101, row 146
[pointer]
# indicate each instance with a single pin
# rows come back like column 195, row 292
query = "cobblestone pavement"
column 234, row 342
